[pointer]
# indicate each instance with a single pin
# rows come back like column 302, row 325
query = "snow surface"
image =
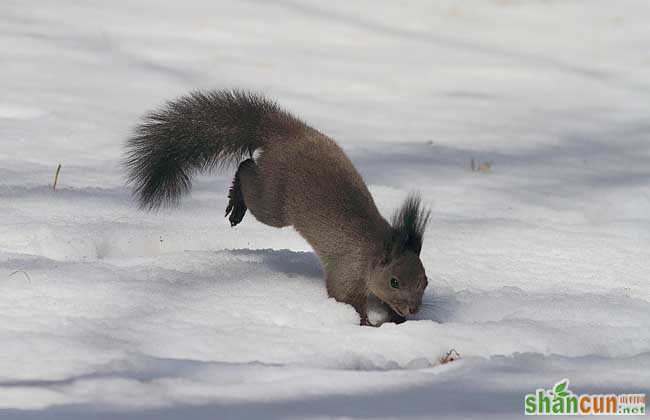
column 539, row 268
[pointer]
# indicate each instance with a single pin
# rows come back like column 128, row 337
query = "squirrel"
column 299, row 177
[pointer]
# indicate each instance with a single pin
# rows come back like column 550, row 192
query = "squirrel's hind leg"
column 236, row 204
column 260, row 195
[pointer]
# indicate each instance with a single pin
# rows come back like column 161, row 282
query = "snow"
column 538, row 269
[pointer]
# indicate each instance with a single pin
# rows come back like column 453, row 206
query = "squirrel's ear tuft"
column 409, row 223
column 388, row 250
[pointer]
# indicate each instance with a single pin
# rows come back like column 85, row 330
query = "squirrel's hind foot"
column 236, row 205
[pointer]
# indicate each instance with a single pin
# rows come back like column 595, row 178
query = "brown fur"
column 302, row 178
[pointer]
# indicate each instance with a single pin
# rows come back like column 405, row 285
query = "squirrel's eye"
column 394, row 283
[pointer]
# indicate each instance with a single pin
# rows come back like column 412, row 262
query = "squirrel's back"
column 323, row 195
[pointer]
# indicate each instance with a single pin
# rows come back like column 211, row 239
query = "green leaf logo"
column 560, row 389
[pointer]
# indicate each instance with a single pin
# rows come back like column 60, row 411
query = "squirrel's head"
column 398, row 278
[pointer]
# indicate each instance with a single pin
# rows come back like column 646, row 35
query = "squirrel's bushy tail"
column 197, row 133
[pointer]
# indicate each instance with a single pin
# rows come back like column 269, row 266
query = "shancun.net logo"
column 560, row 401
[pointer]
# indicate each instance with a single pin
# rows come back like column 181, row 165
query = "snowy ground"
column 539, row 269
